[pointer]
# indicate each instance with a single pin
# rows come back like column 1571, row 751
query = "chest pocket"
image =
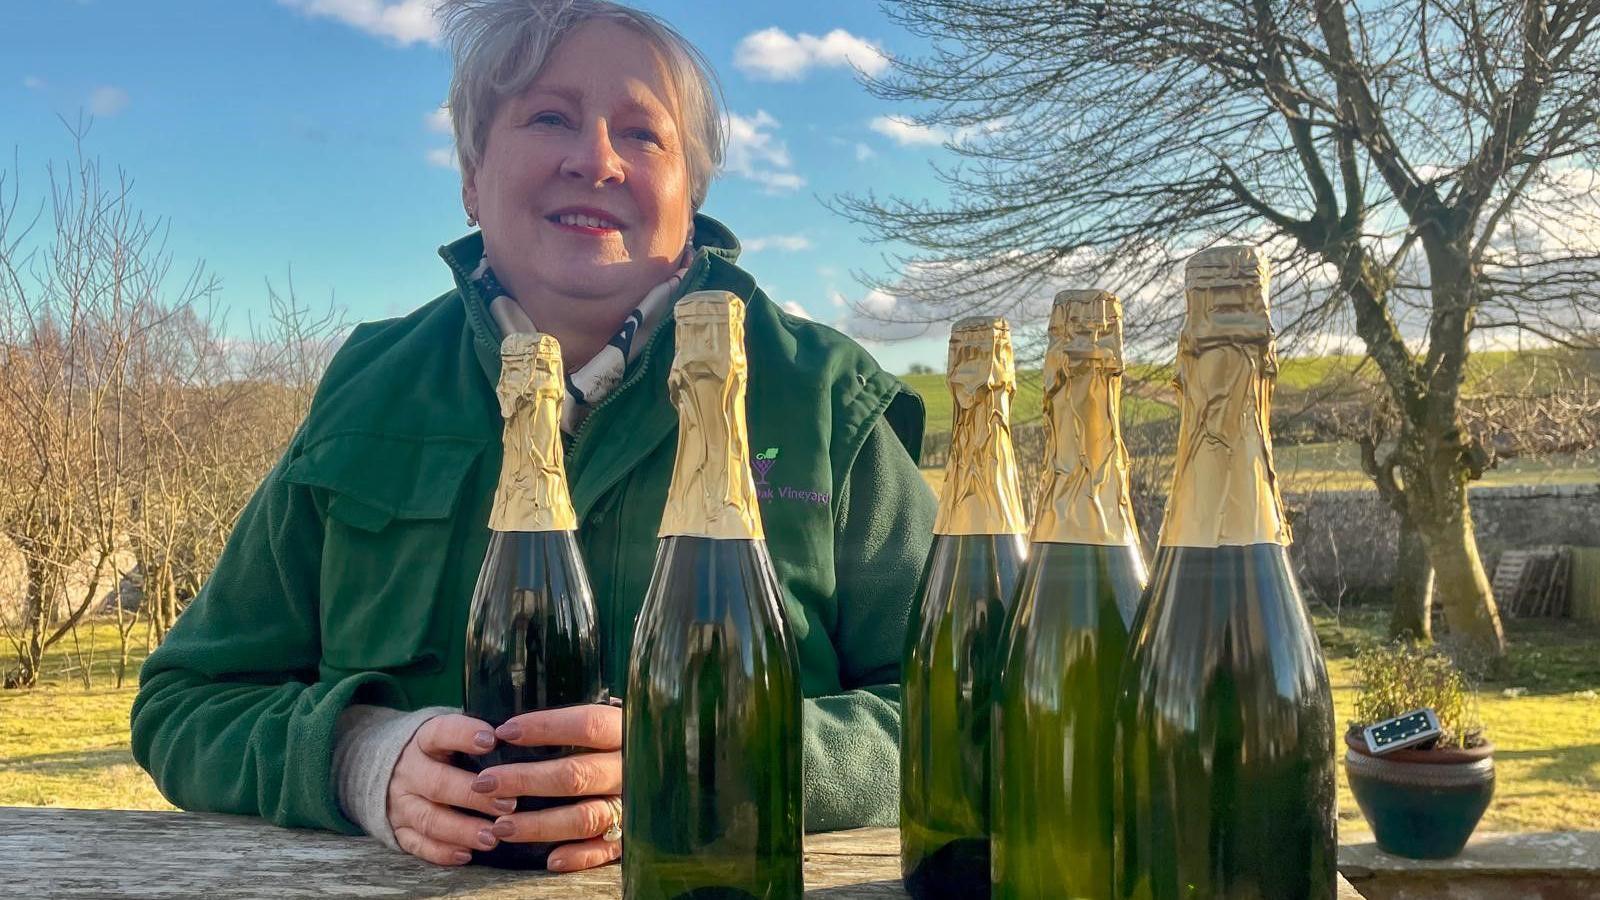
column 390, row 534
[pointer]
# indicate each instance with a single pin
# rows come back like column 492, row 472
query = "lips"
column 585, row 218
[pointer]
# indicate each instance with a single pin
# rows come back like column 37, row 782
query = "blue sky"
column 301, row 133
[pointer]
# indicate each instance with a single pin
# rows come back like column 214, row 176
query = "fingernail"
column 484, row 739
column 487, row 838
column 461, row 857
column 510, row 731
column 506, row 805
column 484, row 784
column 503, row 828
column 556, row 865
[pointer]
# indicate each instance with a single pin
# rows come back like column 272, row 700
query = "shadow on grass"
column 68, row 762
column 1566, row 764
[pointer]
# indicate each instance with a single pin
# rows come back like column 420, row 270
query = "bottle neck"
column 1084, row 495
column 712, row 493
column 532, row 492
column 980, row 494
column 1224, row 485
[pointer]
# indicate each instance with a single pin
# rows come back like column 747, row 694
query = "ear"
column 469, row 189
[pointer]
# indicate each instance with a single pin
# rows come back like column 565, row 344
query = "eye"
column 548, row 118
column 646, row 135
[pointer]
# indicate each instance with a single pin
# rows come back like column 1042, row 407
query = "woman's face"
column 583, row 189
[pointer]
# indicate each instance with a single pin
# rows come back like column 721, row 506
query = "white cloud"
column 863, row 152
column 837, row 298
column 795, row 309
column 405, row 22
column 107, row 100
column 908, row 133
column 443, row 157
column 755, row 153
column 772, row 54
column 789, row 243
column 439, row 121
column 33, row 83
column 879, row 302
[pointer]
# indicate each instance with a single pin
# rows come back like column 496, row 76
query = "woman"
column 316, row 681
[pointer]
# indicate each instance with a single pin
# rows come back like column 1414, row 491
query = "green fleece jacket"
column 348, row 576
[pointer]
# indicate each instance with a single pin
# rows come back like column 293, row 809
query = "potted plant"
column 1421, row 802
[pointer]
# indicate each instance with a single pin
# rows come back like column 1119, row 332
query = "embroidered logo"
column 762, row 464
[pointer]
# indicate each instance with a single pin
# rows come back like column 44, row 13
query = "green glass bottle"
column 953, row 636
column 1064, row 643
column 711, row 792
column 1225, row 779
column 533, row 639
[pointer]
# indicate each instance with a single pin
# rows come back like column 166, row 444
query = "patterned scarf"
column 598, row 377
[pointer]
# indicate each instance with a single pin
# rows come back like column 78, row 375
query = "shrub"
column 1400, row 677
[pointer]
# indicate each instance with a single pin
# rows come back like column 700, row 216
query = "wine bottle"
column 1225, row 784
column 1068, row 629
column 711, row 791
column 953, row 636
column 533, row 641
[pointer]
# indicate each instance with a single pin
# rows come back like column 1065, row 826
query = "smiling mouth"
column 590, row 224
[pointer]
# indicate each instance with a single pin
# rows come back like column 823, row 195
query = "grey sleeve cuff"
column 367, row 744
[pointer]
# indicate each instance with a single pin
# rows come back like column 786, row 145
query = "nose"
column 592, row 158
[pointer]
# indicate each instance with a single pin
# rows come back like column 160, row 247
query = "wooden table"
column 60, row 853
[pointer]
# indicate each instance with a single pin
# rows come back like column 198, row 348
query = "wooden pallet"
column 1534, row 582
column 1508, row 575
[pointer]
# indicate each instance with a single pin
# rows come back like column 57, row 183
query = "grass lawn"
column 62, row 745
column 1543, row 716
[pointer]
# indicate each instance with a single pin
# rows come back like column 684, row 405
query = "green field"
column 62, row 745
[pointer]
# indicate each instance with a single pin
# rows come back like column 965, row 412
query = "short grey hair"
column 498, row 47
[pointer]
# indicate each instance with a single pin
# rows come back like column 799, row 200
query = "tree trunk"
column 1412, row 615
column 35, row 609
column 1462, row 585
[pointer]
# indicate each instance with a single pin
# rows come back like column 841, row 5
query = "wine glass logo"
column 763, row 463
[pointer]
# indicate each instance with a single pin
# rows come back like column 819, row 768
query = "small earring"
column 472, row 217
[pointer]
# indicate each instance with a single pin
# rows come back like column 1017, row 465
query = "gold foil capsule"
column 712, row 493
column 1224, row 484
column 1083, row 495
column 532, row 492
column 980, row 494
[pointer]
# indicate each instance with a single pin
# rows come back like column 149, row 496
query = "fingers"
column 568, row 822
column 426, row 848
column 446, row 784
column 596, row 726
column 583, row 855
column 442, row 735
column 578, row 775
column 434, row 823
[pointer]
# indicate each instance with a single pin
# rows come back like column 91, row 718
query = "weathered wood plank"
column 53, row 854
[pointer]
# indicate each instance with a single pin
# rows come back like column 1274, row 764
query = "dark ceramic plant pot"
column 1421, row 804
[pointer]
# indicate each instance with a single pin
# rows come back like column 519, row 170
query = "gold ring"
column 613, row 831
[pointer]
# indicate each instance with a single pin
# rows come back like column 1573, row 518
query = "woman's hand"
column 595, row 776
column 425, row 787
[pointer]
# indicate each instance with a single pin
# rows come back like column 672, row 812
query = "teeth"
column 586, row 221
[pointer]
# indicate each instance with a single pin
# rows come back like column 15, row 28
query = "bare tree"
column 1421, row 172
column 134, row 425
column 74, row 300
